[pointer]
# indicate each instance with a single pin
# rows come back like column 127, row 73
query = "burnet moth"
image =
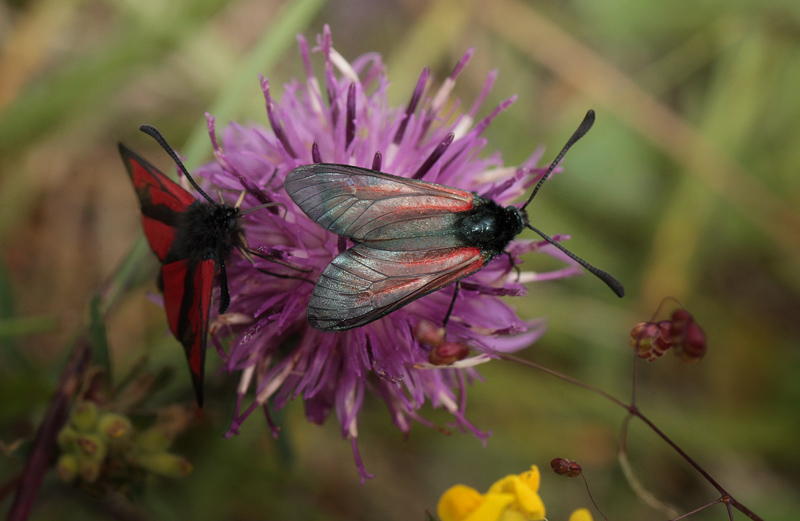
column 411, row 237
column 192, row 238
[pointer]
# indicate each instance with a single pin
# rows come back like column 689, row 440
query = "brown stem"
column 44, row 447
column 591, row 497
column 687, row 514
column 634, row 410
column 573, row 381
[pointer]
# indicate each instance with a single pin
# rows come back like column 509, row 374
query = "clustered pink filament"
column 347, row 119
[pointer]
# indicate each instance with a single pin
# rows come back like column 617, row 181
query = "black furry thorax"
column 490, row 226
column 206, row 231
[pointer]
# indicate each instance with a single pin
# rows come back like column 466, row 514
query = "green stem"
column 275, row 43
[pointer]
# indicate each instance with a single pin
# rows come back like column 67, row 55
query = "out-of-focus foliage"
column 687, row 187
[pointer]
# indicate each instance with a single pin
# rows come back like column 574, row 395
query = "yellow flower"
column 581, row 515
column 513, row 498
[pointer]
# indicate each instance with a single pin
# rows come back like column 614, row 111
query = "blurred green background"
column 687, row 187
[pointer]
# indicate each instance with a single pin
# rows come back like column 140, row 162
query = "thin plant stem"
column 573, row 381
column 591, row 497
column 698, row 509
column 276, row 41
column 44, row 448
column 633, row 480
column 633, row 410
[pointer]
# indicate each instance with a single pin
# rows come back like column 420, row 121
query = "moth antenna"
column 276, row 261
column 610, row 280
column 259, row 207
column 248, row 254
column 281, row 276
column 155, row 134
column 583, row 128
column 452, row 304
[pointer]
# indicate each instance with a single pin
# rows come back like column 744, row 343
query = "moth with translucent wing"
column 412, row 237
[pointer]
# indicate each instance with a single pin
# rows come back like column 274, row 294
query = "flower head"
column 581, row 514
column 513, row 498
column 346, row 118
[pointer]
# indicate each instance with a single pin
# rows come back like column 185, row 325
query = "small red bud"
column 680, row 319
column 681, row 316
column 448, row 353
column 427, row 333
column 693, row 345
column 565, row 467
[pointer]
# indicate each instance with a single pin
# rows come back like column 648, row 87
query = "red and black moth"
column 411, row 237
column 192, row 238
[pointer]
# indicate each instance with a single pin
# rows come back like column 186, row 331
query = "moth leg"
column 225, row 295
column 452, row 303
column 248, row 253
column 514, row 266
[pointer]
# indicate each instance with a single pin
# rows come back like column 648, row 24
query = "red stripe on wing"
column 159, row 235
column 364, row 284
column 187, row 300
column 368, row 205
column 161, row 199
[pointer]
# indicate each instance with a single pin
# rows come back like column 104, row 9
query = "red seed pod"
column 427, row 333
column 448, row 353
column 565, row 467
column 680, row 319
column 681, row 316
column 650, row 340
column 693, row 344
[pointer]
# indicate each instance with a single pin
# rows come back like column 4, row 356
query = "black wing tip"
column 197, row 382
column 124, row 151
column 129, row 156
column 199, row 376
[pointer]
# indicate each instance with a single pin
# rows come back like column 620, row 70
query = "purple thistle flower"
column 279, row 355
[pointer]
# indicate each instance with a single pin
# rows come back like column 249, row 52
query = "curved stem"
column 698, row 509
column 634, row 411
column 573, row 381
column 591, row 497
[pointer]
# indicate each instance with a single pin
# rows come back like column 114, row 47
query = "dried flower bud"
column 89, row 469
column 427, row 333
column 114, row 426
column 67, row 467
column 650, row 340
column 448, row 353
column 565, row 467
column 66, row 438
column 92, row 446
column 84, row 416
